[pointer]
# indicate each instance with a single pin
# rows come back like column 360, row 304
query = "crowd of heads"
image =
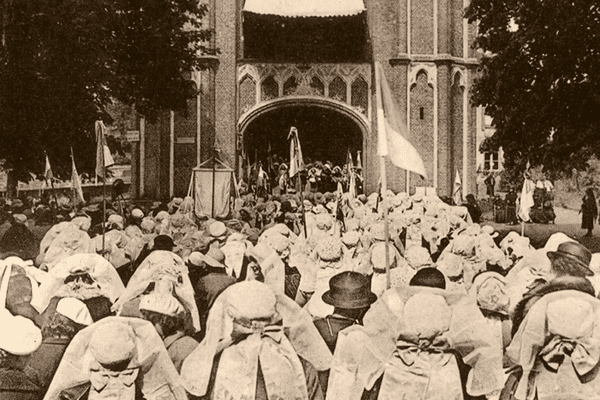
column 171, row 303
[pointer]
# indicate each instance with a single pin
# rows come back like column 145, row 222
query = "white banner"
column 203, row 195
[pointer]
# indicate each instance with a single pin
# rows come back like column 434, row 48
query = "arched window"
column 317, row 85
column 247, row 93
column 269, row 89
column 360, row 94
column 337, row 89
column 290, row 86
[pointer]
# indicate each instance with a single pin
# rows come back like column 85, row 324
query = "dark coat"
column 18, row 239
column 589, row 212
column 330, row 326
column 208, row 288
column 15, row 385
column 43, row 363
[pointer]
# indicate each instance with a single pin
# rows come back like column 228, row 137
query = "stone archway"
column 327, row 129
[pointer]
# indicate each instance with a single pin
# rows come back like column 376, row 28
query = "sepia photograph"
column 299, row 200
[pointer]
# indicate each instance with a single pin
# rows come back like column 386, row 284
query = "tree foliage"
column 539, row 80
column 63, row 62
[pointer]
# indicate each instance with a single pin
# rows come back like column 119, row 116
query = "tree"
column 63, row 62
column 539, row 79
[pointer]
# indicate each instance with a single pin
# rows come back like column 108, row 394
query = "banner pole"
column 72, row 183
column 103, row 206
column 381, row 115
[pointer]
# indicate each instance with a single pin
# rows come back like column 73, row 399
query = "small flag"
column 349, row 161
column 394, row 139
column 352, row 186
column 103, row 157
column 457, row 192
column 48, row 175
column 75, row 181
column 526, row 199
column 296, row 160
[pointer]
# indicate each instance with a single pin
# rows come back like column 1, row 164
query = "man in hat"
column 160, row 242
column 350, row 295
column 167, row 315
column 569, row 271
column 212, row 282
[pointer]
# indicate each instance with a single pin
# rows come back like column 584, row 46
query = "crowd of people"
column 273, row 177
column 294, row 297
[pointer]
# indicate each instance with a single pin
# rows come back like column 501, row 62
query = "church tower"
column 283, row 64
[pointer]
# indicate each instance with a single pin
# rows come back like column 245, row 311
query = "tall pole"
column 72, row 183
column 103, row 205
column 381, row 125
column 214, row 173
column 302, row 201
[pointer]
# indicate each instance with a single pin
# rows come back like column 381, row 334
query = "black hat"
column 430, row 277
column 163, row 242
column 575, row 252
column 349, row 290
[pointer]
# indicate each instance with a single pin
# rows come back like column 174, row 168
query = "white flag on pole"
column 103, row 157
column 75, row 181
column 394, row 139
column 457, row 191
column 296, row 160
column 526, row 200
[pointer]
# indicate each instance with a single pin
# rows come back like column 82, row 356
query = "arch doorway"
column 326, row 130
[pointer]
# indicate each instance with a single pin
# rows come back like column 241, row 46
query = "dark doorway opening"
column 325, row 135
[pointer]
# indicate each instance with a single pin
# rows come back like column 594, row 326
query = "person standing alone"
column 589, row 211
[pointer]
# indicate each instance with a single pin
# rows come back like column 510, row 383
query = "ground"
column 567, row 221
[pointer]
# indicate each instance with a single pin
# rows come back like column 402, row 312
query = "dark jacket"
column 589, row 211
column 330, row 326
column 208, row 288
column 179, row 348
column 16, row 385
column 43, row 363
column 20, row 240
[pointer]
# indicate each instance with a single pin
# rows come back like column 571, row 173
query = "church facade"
column 311, row 67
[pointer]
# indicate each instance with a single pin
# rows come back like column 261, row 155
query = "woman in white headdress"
column 87, row 277
column 412, row 336
column 257, row 344
column 116, row 358
column 62, row 241
column 557, row 349
column 161, row 271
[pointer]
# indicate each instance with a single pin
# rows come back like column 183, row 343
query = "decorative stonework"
column 429, row 68
column 462, row 76
column 347, row 83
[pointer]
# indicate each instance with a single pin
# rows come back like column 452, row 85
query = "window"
column 491, row 161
